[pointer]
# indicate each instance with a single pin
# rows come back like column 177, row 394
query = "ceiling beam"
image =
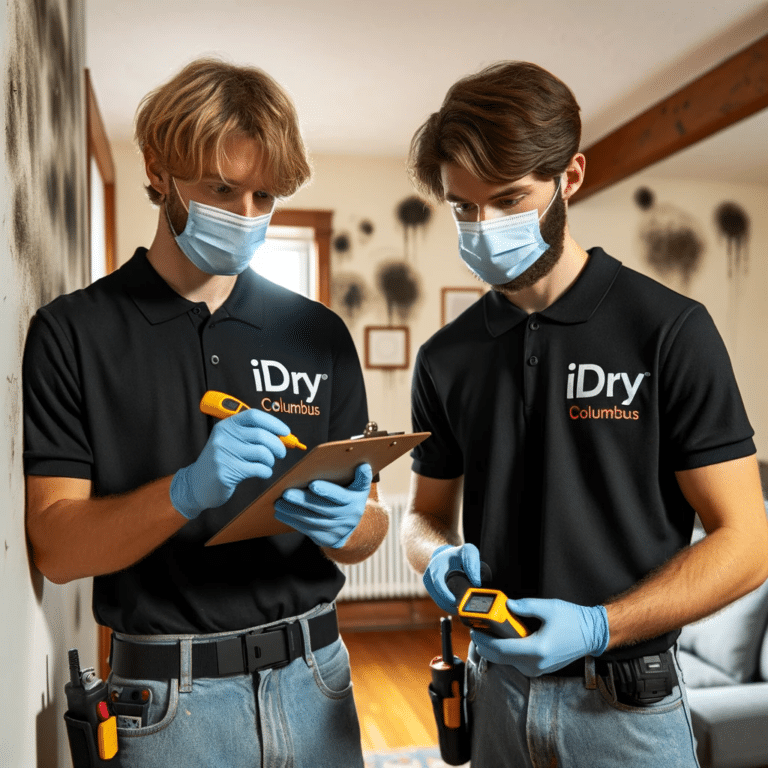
column 733, row 90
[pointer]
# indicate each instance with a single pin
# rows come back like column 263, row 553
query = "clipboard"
column 335, row 462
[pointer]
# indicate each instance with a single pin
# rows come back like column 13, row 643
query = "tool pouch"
column 84, row 747
column 446, row 692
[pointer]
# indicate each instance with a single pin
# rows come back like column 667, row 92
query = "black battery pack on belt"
column 645, row 680
column 91, row 723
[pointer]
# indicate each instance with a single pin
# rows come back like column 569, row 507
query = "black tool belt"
column 233, row 655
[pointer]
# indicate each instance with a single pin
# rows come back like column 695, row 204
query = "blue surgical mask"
column 219, row 242
column 500, row 250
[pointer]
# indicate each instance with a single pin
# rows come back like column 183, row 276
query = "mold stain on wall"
column 45, row 254
column 413, row 214
column 349, row 295
column 733, row 224
column 400, row 287
column 671, row 238
column 45, row 147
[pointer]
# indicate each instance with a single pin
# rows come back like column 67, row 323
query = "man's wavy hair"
column 187, row 121
column 508, row 120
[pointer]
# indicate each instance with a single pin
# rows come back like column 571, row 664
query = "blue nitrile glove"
column 326, row 512
column 444, row 560
column 241, row 446
column 568, row 632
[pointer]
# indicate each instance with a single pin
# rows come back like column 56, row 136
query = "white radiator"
column 386, row 574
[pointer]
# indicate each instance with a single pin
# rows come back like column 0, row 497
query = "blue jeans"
column 571, row 722
column 302, row 714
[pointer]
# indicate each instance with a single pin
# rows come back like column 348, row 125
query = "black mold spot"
column 349, row 294
column 353, row 298
column 41, row 17
column 674, row 250
column 53, row 194
column 20, row 213
column 400, row 286
column 366, row 227
column 30, row 83
column 413, row 212
column 342, row 243
column 733, row 223
column 672, row 242
column 13, row 109
column 732, row 220
column 644, row 198
column 59, row 73
column 71, row 211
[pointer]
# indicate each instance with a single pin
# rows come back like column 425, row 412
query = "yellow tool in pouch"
column 107, row 738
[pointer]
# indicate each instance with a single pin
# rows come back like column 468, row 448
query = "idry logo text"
column 273, row 376
column 589, row 380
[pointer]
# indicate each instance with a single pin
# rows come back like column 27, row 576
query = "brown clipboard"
column 335, row 462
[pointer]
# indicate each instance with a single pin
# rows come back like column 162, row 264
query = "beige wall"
column 358, row 188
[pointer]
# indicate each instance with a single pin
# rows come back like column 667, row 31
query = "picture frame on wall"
column 387, row 347
column 456, row 300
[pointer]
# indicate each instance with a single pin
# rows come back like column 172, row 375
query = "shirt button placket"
column 213, row 357
column 532, row 359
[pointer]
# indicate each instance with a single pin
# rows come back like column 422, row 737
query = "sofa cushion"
column 731, row 640
column 729, row 725
column 699, row 674
column 764, row 659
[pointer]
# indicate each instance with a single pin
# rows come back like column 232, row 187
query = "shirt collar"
column 158, row 302
column 576, row 305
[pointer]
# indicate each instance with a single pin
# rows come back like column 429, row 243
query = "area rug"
column 411, row 757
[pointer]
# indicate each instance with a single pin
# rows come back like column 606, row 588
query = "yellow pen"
column 221, row 406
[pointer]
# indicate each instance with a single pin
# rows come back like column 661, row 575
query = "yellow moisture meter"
column 220, row 406
column 482, row 608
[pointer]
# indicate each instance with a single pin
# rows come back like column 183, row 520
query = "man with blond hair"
column 226, row 655
column 582, row 414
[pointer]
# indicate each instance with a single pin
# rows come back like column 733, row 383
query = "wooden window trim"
column 320, row 221
column 98, row 149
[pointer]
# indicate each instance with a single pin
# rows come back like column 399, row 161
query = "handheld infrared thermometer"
column 484, row 609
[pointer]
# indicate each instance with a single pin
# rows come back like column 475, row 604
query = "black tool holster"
column 446, row 692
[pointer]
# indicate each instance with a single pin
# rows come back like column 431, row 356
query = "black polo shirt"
column 568, row 426
column 113, row 376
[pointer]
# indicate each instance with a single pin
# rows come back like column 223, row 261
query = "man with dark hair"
column 226, row 655
column 583, row 415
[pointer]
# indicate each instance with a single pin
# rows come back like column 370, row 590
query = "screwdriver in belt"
column 220, row 406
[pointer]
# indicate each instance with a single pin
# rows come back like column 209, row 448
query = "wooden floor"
column 390, row 673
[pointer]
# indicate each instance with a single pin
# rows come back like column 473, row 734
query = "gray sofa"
column 725, row 666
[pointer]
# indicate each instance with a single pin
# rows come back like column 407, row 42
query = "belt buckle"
column 272, row 648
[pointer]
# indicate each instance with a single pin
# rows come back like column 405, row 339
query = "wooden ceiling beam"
column 733, row 90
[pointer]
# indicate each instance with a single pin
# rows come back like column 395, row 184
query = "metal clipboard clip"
column 372, row 430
